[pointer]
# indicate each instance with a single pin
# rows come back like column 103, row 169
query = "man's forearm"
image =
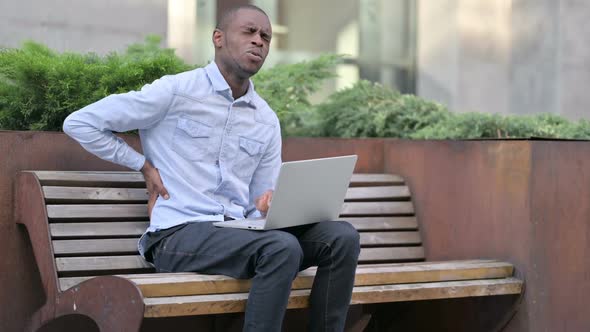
column 93, row 125
column 102, row 143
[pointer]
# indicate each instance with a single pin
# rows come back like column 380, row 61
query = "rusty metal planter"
column 521, row 201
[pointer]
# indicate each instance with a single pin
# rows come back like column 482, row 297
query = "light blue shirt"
column 215, row 154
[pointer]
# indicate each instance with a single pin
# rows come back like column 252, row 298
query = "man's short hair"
column 228, row 15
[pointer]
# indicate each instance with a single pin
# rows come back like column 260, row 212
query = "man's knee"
column 348, row 232
column 348, row 237
column 284, row 248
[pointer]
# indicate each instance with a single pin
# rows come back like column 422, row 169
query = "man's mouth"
column 255, row 54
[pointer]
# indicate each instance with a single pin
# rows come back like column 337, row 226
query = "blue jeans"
column 272, row 259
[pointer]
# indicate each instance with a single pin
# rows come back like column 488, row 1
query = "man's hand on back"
column 263, row 202
column 154, row 185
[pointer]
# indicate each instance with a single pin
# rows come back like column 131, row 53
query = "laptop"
column 307, row 191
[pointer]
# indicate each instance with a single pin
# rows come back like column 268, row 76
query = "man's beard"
column 244, row 72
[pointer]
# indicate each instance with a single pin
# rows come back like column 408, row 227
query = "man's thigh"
column 317, row 240
column 202, row 247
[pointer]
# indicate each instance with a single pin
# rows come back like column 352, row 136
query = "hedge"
column 40, row 87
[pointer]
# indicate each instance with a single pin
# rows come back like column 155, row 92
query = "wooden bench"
column 84, row 228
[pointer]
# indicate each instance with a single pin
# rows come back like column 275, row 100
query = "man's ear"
column 217, row 38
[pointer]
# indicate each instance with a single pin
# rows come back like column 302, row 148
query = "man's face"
column 244, row 43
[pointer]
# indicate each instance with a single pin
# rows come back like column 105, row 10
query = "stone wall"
column 508, row 56
column 82, row 25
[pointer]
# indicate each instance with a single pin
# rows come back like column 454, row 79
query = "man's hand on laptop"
column 154, row 185
column 263, row 202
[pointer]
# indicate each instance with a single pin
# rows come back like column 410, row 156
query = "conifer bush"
column 39, row 88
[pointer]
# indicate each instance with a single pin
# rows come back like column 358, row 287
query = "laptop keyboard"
column 252, row 221
column 256, row 222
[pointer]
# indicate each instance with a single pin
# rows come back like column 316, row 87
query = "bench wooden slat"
column 97, row 211
column 67, row 282
column 101, row 263
column 95, row 247
column 436, row 290
column 376, row 208
column 378, row 193
column 91, row 179
column 128, row 229
column 196, row 284
column 55, row 194
column 118, row 211
column 390, row 238
column 383, row 223
column 89, row 194
column 134, row 262
column 392, row 254
column 97, row 229
column 359, row 179
column 235, row 302
column 118, row 246
column 136, row 180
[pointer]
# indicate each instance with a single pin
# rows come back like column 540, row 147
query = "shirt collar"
column 220, row 84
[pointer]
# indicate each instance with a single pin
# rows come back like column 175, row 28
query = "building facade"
column 505, row 56
column 502, row 56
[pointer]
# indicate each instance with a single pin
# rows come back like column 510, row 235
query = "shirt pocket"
column 191, row 139
column 248, row 157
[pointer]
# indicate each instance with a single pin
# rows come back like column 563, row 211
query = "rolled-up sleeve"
column 93, row 125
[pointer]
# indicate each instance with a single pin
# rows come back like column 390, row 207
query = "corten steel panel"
column 520, row 201
column 471, row 199
column 369, row 151
column 468, row 195
column 560, row 251
column 474, row 200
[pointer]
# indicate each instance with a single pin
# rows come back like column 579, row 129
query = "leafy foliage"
column 371, row 110
column 286, row 88
column 39, row 88
column 482, row 125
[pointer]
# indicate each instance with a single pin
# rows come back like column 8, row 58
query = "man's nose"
column 257, row 40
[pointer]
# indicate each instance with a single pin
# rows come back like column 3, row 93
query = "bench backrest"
column 95, row 219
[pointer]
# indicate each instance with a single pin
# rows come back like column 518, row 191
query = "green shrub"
column 39, row 87
column 372, row 110
column 482, row 125
column 286, row 88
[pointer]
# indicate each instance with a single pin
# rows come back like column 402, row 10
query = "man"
column 212, row 151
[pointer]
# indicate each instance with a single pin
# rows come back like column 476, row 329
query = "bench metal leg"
column 113, row 303
column 360, row 324
column 358, row 318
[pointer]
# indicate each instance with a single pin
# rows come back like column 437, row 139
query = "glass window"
column 377, row 37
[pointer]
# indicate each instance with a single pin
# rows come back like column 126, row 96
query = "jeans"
column 272, row 259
